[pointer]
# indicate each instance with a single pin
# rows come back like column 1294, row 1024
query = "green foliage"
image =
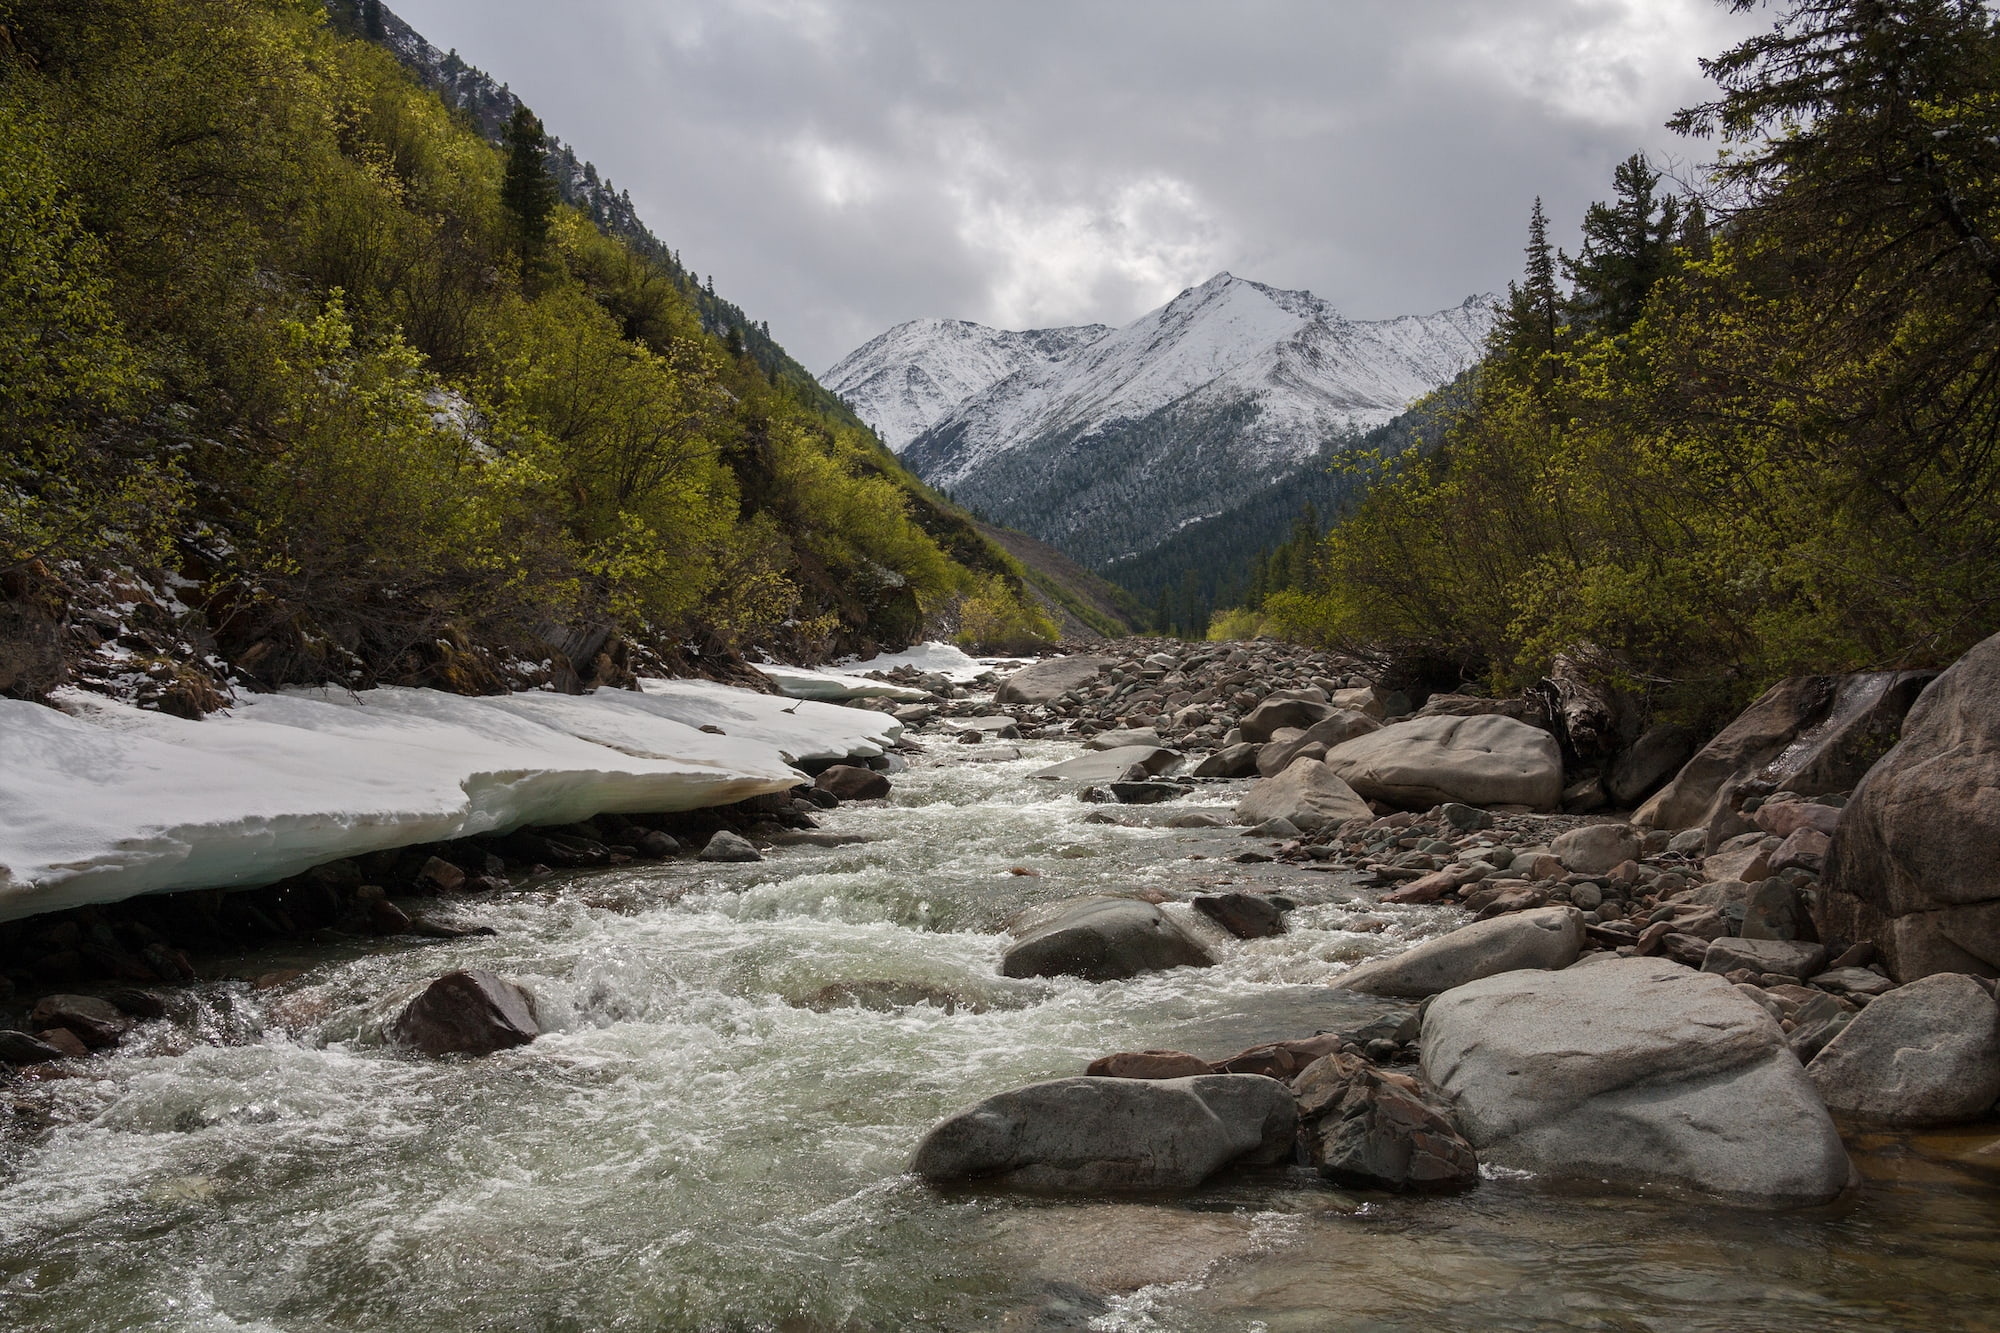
column 1237, row 623
column 1788, row 458
column 997, row 619
column 72, row 486
column 259, row 312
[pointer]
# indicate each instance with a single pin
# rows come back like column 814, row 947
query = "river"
column 740, row 1058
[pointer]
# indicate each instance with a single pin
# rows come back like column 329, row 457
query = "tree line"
column 1748, row 430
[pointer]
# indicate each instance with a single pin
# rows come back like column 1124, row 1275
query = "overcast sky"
column 840, row 166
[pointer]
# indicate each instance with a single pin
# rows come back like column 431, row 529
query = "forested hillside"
column 302, row 379
column 1747, row 434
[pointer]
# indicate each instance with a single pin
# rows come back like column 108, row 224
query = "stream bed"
column 738, row 1061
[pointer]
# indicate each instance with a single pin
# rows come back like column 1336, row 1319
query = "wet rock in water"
column 1542, row 938
column 96, row 1023
column 137, row 1003
column 467, row 1013
column 726, row 846
column 852, row 783
column 1596, row 849
column 1148, row 1064
column 1364, row 1131
column 1272, row 828
column 1196, row 819
column 1044, row 682
column 66, row 1043
column 1923, row 1054
column 22, row 1048
column 658, row 846
column 1113, row 1135
column 1146, row 793
column 1247, row 916
column 1635, row 1071
column 1104, row 939
column 1231, row 761
column 1273, row 714
column 1281, row 1059
column 1789, row 958
column 1308, row 795
column 887, row 996
column 1422, row 762
column 1135, row 761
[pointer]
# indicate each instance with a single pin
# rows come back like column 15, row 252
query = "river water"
column 739, row 1061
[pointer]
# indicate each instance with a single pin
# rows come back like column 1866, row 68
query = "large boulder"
column 467, row 1013
column 1044, row 682
column 1923, row 1054
column 1275, row 713
column 1231, row 761
column 1427, row 761
column 1108, row 1135
column 1914, row 865
column 1342, row 726
column 1808, row 734
column 1637, row 1071
column 1127, row 763
column 1545, row 937
column 1308, row 794
column 1103, row 939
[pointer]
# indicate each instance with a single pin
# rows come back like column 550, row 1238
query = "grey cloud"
column 843, row 165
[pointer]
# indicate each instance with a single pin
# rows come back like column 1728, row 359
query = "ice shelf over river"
column 102, row 801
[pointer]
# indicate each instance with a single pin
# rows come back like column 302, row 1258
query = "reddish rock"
column 97, row 1023
column 1804, row 849
column 1148, row 1064
column 1426, row 890
column 441, row 875
column 65, row 1042
column 1363, row 1130
column 852, row 783
column 468, row 1013
column 1280, row 1059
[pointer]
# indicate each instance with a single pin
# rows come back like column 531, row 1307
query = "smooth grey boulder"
column 1044, row 682
column 1787, row 958
column 1231, row 761
column 1308, row 795
column 1118, row 740
column 1104, row 939
column 1283, row 747
column 1111, row 765
column 1425, row 761
column 1113, row 1135
column 726, row 846
column 1923, row 1054
column 1542, row 938
column 1636, row 1071
column 1276, row 713
column 1915, row 860
column 851, row 782
column 1596, row 848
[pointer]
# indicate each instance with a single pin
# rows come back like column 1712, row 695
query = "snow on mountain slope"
column 905, row 380
column 1104, row 445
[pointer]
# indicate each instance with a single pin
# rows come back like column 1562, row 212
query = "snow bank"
column 955, row 664
column 833, row 686
column 104, row 801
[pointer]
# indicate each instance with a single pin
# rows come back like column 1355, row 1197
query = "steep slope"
column 1083, row 605
column 1181, row 415
column 906, row 380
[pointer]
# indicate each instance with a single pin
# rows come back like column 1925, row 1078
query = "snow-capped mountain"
column 1105, row 442
column 908, row 379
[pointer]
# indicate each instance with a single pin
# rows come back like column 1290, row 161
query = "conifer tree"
column 1534, row 305
column 527, row 191
column 1627, row 247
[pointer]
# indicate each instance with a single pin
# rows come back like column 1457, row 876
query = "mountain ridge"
column 1105, row 444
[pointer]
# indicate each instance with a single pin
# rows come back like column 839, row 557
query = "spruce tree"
column 371, row 20
column 1627, row 247
column 527, row 191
